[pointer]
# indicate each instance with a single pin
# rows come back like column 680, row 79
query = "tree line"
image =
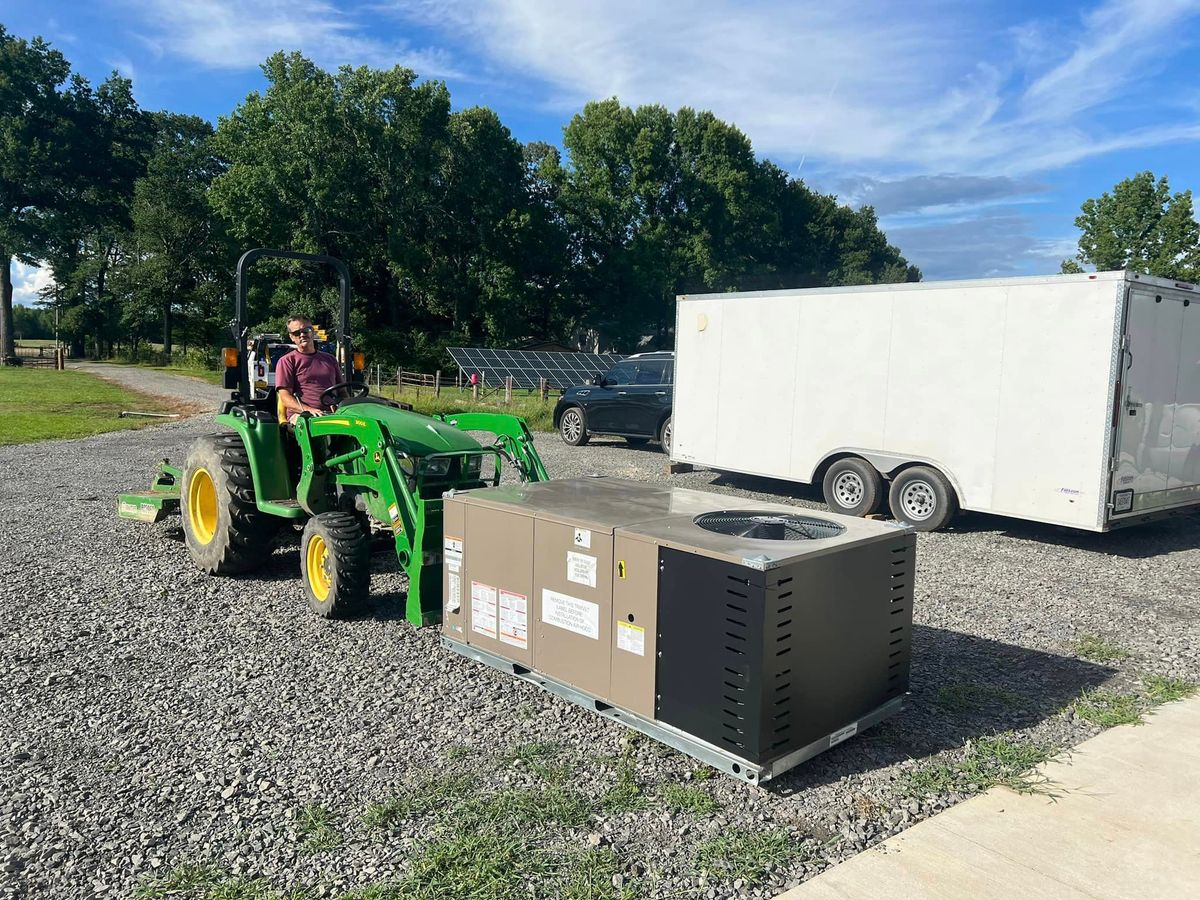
column 455, row 232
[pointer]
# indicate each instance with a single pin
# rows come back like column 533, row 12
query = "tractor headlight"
column 472, row 465
column 406, row 466
column 437, row 466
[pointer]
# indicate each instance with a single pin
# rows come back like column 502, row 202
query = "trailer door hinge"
column 1113, row 465
column 1124, row 342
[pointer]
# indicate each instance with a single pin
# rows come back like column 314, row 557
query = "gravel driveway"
column 160, row 725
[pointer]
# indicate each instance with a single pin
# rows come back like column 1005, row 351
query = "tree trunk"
column 7, row 351
column 167, row 328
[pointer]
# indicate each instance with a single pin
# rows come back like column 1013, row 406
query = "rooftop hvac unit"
column 751, row 636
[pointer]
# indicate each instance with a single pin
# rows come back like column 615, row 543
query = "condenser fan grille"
column 767, row 526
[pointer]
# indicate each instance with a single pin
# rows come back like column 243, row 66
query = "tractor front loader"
column 372, row 465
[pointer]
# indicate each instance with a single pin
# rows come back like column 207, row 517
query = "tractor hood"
column 414, row 433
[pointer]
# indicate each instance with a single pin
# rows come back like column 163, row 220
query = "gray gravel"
column 156, row 717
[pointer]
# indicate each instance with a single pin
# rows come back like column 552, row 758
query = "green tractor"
column 371, row 466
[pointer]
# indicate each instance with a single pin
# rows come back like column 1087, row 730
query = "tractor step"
column 147, row 506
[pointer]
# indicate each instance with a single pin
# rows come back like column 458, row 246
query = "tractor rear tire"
column 335, row 563
column 222, row 526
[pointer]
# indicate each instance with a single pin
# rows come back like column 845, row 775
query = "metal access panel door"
column 1159, row 407
column 572, row 605
column 497, row 582
column 455, row 600
column 635, row 624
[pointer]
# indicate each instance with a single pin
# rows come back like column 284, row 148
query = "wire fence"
column 438, row 384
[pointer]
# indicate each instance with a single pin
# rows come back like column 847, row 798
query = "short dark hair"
column 299, row 317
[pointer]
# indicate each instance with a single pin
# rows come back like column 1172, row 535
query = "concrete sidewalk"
column 1125, row 824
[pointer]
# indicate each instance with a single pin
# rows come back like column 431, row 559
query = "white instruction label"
column 583, row 538
column 514, row 619
column 631, row 638
column 581, row 568
column 453, row 590
column 483, row 609
column 842, row 733
column 571, row 613
column 452, row 550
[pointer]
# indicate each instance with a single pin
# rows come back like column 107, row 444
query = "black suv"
column 633, row 400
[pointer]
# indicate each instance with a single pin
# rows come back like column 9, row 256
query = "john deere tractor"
column 371, row 466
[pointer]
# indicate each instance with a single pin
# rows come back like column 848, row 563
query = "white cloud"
column 29, row 282
column 939, row 88
column 241, row 34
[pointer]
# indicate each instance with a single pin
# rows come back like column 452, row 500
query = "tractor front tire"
column 335, row 563
column 222, row 526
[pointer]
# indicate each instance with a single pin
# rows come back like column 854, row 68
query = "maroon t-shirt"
column 307, row 375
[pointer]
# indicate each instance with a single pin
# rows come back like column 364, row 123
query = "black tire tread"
column 351, row 550
column 247, row 541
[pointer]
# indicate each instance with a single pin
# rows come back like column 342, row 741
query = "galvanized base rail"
column 673, row 737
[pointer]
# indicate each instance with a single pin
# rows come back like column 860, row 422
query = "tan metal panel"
column 456, row 598
column 635, row 613
column 498, row 582
column 573, row 606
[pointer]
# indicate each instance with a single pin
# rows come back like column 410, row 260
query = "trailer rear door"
column 1158, row 407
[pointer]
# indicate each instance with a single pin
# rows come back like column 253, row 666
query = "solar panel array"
column 529, row 367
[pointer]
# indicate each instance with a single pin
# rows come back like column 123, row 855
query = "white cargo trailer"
column 1070, row 399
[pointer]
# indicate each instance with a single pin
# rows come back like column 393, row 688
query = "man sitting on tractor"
column 302, row 377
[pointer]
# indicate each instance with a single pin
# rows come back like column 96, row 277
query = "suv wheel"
column 572, row 428
column 664, row 436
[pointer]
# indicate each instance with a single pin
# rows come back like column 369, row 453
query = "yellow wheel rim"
column 316, row 562
column 202, row 506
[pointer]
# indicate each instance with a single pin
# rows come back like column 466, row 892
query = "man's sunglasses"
column 299, row 332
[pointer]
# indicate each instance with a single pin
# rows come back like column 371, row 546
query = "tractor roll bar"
column 345, row 349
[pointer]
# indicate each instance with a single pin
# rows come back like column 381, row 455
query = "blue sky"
column 975, row 128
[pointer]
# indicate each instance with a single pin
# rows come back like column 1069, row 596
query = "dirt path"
column 193, row 394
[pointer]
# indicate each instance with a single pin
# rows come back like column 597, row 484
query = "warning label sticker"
column 631, row 638
column 583, row 538
column 453, row 590
column 514, row 619
column 483, row 609
column 581, row 568
column 452, row 550
column 571, row 613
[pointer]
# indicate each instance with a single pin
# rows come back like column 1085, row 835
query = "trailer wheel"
column 335, row 563
column 665, row 435
column 853, row 486
column 573, row 428
column 922, row 497
column 222, row 526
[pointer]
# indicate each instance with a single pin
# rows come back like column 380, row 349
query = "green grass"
column 1097, row 649
column 1001, row 759
column 436, row 793
column 747, row 854
column 1160, row 689
column 971, row 697
column 315, row 826
column 690, row 799
column 1107, row 708
column 625, row 794
column 44, row 405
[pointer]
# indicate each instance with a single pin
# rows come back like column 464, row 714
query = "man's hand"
column 316, row 411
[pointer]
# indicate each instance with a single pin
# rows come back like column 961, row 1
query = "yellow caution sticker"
column 620, row 568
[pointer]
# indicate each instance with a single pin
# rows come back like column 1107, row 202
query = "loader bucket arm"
column 513, row 437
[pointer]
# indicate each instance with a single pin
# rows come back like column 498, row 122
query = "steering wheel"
column 356, row 389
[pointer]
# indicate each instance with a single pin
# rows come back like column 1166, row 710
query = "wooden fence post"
column 475, row 391
column 437, row 383
column 544, row 389
column 508, row 380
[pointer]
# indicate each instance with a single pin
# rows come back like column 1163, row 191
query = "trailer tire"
column 224, row 531
column 572, row 427
column 335, row 563
column 922, row 497
column 853, row 487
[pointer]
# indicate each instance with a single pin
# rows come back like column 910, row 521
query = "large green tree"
column 1140, row 225
column 36, row 156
